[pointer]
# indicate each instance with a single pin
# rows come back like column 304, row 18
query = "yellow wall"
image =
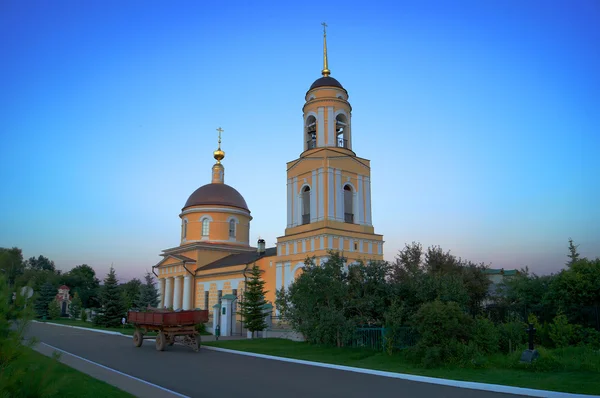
column 218, row 227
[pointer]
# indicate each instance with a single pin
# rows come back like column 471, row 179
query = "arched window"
column 232, row 228
column 205, row 227
column 311, row 132
column 341, row 131
column 184, row 229
column 348, row 204
column 306, row 205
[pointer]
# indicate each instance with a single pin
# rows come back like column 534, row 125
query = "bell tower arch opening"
column 348, row 204
column 342, row 131
column 311, row 132
column 305, row 197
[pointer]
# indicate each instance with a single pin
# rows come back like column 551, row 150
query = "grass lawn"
column 67, row 382
column 500, row 369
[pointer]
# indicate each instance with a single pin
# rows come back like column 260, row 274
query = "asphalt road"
column 217, row 374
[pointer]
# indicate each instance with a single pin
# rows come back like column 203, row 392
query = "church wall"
column 305, row 167
column 267, row 265
column 218, row 227
column 212, row 284
column 327, row 190
column 171, row 270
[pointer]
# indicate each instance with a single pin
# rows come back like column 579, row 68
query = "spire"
column 218, row 171
column 325, row 72
column 219, row 154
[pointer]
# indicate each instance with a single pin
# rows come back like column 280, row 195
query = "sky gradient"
column 481, row 120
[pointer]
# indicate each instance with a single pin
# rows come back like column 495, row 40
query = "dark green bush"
column 201, row 328
column 485, row 336
column 442, row 328
column 562, row 332
column 511, row 335
column 588, row 337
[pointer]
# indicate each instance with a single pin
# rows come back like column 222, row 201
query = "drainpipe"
column 245, row 286
column 193, row 285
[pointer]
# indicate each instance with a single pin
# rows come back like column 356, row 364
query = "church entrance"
column 63, row 311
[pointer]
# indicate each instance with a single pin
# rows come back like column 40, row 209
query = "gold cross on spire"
column 219, row 154
column 220, row 130
column 325, row 72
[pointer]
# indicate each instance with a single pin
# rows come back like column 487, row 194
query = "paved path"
column 217, row 374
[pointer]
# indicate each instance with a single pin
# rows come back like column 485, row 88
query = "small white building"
column 64, row 300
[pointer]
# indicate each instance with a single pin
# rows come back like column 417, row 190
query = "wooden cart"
column 168, row 325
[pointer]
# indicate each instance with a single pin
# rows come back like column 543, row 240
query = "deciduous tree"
column 82, row 279
column 40, row 263
column 11, row 264
column 131, row 293
column 75, row 307
column 316, row 304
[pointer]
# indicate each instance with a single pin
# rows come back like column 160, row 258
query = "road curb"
column 82, row 328
column 499, row 388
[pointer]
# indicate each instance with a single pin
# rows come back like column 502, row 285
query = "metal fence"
column 380, row 339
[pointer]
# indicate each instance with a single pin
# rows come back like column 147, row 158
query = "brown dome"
column 217, row 194
column 326, row 81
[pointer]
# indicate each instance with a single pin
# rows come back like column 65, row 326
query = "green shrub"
column 442, row 328
column 588, row 337
column 511, row 335
column 83, row 315
column 561, row 332
column 201, row 328
column 485, row 336
column 54, row 310
column 465, row 355
column 19, row 376
column 542, row 332
column 395, row 326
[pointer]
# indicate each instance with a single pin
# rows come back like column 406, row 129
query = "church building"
column 328, row 208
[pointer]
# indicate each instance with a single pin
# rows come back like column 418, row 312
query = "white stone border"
column 82, row 328
column 114, row 370
column 423, row 379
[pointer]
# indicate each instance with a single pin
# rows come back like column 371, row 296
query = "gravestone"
column 530, row 354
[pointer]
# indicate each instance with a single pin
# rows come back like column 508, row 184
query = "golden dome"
column 219, row 155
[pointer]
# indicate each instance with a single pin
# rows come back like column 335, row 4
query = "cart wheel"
column 170, row 339
column 138, row 338
column 161, row 341
column 194, row 343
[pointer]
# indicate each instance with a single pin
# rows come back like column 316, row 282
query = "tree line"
column 442, row 303
column 109, row 301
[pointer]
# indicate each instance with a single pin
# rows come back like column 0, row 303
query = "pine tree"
column 47, row 294
column 112, row 309
column 53, row 309
column 251, row 307
column 75, row 307
column 148, row 293
column 573, row 254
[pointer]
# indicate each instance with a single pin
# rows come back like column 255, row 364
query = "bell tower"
column 328, row 186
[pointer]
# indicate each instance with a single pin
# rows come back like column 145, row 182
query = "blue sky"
column 481, row 121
